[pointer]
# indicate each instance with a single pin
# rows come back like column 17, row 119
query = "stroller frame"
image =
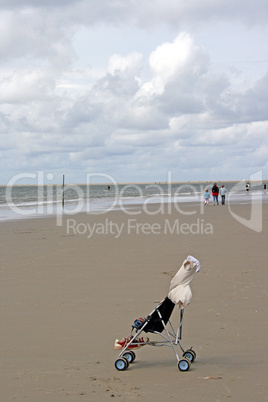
column 172, row 338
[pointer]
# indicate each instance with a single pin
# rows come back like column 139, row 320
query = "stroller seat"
column 154, row 323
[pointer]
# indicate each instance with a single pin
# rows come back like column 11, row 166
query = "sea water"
column 24, row 201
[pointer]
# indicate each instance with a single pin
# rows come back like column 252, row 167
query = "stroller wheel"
column 184, row 364
column 121, row 363
column 190, row 354
column 130, row 356
column 133, row 354
column 193, row 353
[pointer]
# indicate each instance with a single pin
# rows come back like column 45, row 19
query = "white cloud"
column 25, row 85
column 171, row 62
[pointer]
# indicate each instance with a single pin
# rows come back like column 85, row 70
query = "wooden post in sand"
column 63, row 192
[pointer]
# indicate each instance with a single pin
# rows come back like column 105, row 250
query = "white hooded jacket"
column 180, row 292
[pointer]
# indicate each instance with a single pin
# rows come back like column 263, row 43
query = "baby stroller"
column 158, row 321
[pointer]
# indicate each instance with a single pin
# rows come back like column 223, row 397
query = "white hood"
column 180, row 292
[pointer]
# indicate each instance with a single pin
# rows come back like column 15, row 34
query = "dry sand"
column 66, row 297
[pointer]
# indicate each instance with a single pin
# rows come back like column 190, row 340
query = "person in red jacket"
column 215, row 193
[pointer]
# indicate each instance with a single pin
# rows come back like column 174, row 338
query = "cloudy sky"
column 133, row 89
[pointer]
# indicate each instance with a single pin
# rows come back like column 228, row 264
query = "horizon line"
column 136, row 183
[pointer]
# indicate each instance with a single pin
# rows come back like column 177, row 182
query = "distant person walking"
column 206, row 196
column 222, row 194
column 215, row 194
column 247, row 187
column 264, row 188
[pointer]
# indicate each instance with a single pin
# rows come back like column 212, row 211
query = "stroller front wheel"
column 121, row 363
column 184, row 364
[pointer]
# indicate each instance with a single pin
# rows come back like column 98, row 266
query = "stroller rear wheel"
column 190, row 354
column 184, row 364
column 130, row 356
column 121, row 363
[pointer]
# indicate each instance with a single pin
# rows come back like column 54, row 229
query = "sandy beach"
column 67, row 292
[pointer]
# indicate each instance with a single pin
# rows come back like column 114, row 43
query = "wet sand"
column 66, row 295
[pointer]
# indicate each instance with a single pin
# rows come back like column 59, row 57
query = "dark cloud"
column 252, row 105
column 22, row 4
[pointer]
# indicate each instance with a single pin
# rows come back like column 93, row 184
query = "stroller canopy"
column 180, row 292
